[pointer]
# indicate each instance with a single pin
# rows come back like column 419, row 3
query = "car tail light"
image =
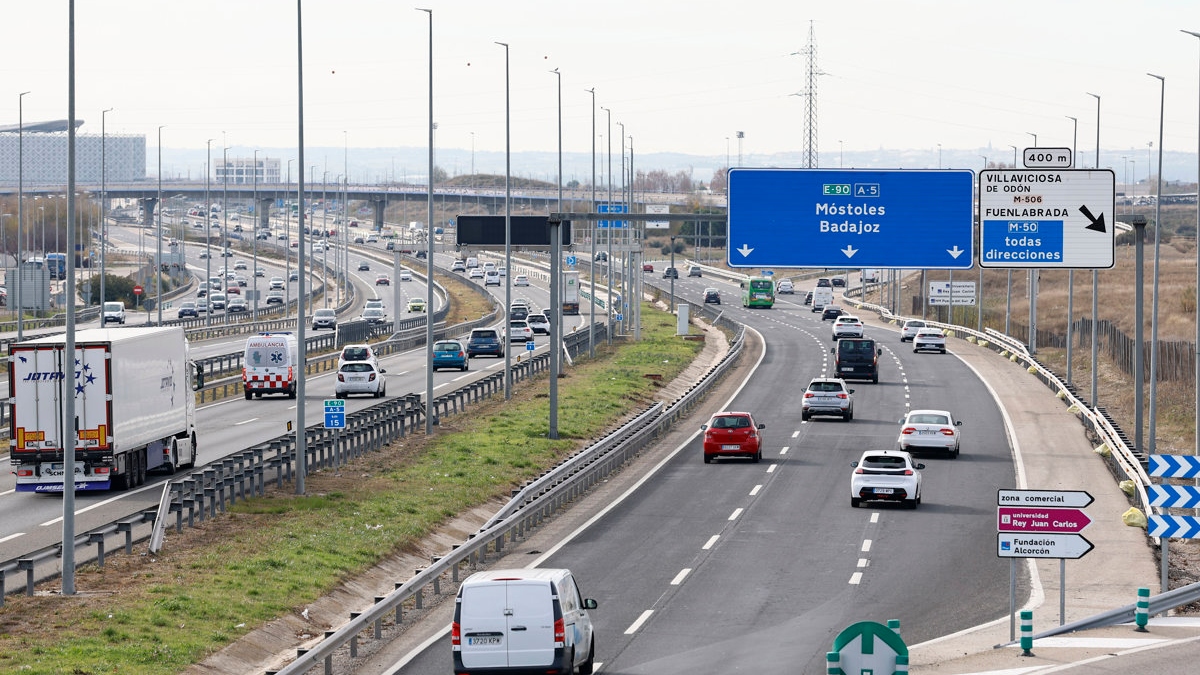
column 908, row 472
column 560, row 630
column 909, row 430
column 809, row 394
column 24, row 472
column 947, row 431
column 455, row 634
column 341, row 377
column 371, row 378
column 860, row 471
column 842, row 396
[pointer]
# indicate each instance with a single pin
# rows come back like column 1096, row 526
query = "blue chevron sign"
column 1176, row 527
column 1174, row 496
column 1175, row 466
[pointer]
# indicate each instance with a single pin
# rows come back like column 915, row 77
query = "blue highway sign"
column 335, row 420
column 1174, row 466
column 1177, row 527
column 851, row 218
column 612, row 208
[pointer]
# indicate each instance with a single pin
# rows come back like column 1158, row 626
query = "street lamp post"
column 1096, row 283
column 429, row 248
column 672, row 303
column 103, row 202
column 592, row 231
column 224, row 221
column 256, row 228
column 507, row 225
column 207, row 215
column 1197, row 343
column 158, row 257
column 20, row 209
column 1154, row 295
column 1071, row 272
column 608, row 256
column 556, row 282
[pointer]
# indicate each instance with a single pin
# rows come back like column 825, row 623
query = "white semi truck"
column 570, row 292
column 135, row 410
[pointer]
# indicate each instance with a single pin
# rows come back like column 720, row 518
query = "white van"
column 522, row 620
column 822, row 295
column 271, row 365
column 472, row 262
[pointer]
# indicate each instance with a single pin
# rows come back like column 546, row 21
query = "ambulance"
column 271, row 365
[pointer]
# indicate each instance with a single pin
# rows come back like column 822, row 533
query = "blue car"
column 449, row 354
column 485, row 341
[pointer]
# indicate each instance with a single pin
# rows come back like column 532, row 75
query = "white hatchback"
column 910, row 328
column 520, row 280
column 886, row 476
column 360, row 377
column 929, row 340
column 847, row 326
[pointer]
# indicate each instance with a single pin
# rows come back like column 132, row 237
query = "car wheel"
column 292, row 392
column 854, row 502
column 848, row 416
column 804, row 417
column 954, row 453
column 588, row 666
column 707, row 459
column 758, row 457
column 875, row 379
column 466, row 367
column 249, row 395
column 911, row 503
column 943, row 351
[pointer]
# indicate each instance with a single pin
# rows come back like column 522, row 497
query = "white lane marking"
column 795, row 433
column 862, row 562
column 674, row 582
column 856, row 578
column 464, row 376
column 875, row 517
column 638, row 623
column 711, row 540
column 11, row 536
column 784, row 450
column 866, row 546
column 8, row 492
column 736, row 512
column 755, row 490
column 252, row 419
column 771, row 469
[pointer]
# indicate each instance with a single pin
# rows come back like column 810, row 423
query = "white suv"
column 847, row 326
column 491, row 278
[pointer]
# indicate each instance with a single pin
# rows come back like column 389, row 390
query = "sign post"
column 1041, row 524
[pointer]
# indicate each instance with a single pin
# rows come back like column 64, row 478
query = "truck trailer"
column 134, row 408
column 570, row 293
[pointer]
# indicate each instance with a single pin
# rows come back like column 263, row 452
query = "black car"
column 712, row 295
column 188, row 309
column 421, row 253
column 808, row 298
column 364, row 266
column 838, row 282
column 831, row 312
column 670, row 273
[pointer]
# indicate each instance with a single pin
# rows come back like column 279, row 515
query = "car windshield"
column 825, row 386
column 357, row 368
column 730, row 422
column 928, row 419
column 356, row 353
column 483, row 334
column 447, row 347
column 325, row 312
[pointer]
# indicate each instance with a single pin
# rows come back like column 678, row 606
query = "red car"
column 732, row 434
column 647, row 267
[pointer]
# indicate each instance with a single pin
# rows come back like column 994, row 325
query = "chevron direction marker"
column 1174, row 496
column 1173, row 527
column 1175, row 466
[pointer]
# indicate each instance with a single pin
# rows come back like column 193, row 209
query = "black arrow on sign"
column 1097, row 223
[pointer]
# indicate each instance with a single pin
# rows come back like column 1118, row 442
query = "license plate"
column 883, row 491
column 733, row 446
column 483, row 641
column 847, row 369
column 926, row 432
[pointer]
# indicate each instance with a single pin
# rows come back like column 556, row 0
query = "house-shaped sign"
column 868, row 648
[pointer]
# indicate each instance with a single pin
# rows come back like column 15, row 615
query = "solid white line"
column 8, row 492
column 674, row 582
column 711, row 540
column 638, row 623
column 784, row 450
column 11, row 536
column 252, row 419
column 771, row 469
column 866, row 546
column 856, row 578
column 862, row 562
column 875, row 517
column 755, row 490
column 736, row 512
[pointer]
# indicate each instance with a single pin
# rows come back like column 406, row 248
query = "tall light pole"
column 1014, row 149
column 1071, row 272
column 103, row 201
column 158, row 255
column 592, row 231
column 1154, row 295
column 556, row 281
column 939, row 155
column 608, row 256
column 224, row 221
column 429, row 252
column 255, row 229
column 1096, row 283
column 620, row 309
column 1197, row 343
column 20, row 209
column 287, row 250
column 301, row 435
column 1034, row 138
column 507, row 227
column 208, row 238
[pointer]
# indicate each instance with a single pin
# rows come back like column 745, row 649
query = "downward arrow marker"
column 849, row 251
column 1097, row 224
column 745, row 250
column 955, row 252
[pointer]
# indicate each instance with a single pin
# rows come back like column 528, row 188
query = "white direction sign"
column 658, row 224
column 1046, row 218
column 1041, row 545
column 962, row 293
column 1060, row 498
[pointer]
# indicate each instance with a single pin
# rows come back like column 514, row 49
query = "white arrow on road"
column 955, row 252
column 849, row 251
column 745, row 250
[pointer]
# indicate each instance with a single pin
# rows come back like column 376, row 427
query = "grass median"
column 274, row 555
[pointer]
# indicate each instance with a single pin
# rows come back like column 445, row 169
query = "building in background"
column 241, row 170
column 45, row 155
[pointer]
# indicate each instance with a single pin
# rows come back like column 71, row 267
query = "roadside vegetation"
column 274, row 555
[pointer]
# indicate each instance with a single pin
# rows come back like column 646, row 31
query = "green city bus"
column 758, row 292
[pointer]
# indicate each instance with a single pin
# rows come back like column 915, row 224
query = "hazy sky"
column 681, row 76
